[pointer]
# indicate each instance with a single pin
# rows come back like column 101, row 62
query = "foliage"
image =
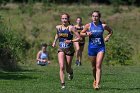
column 86, row 2
column 27, row 8
column 35, row 32
column 118, row 50
column 12, row 47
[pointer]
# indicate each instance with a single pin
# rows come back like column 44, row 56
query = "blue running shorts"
column 95, row 51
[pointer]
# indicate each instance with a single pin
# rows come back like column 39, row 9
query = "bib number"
column 96, row 41
column 63, row 45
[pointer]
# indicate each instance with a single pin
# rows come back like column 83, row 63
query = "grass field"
column 26, row 20
column 37, row 79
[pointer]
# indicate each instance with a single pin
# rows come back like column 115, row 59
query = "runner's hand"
column 53, row 45
column 67, row 41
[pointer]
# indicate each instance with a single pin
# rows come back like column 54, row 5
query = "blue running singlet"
column 96, row 40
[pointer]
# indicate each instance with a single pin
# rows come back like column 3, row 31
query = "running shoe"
column 77, row 62
column 97, row 87
column 63, row 87
column 70, row 76
column 94, row 84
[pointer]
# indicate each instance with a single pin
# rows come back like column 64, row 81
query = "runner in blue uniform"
column 66, row 50
column 96, row 46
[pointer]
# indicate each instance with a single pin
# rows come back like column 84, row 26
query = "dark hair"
column 43, row 45
column 68, row 16
column 96, row 12
column 79, row 18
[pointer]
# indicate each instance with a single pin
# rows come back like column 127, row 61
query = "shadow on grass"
column 14, row 76
column 128, row 89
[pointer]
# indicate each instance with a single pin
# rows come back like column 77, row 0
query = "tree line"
column 120, row 2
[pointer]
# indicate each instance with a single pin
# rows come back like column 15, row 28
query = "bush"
column 12, row 48
column 35, row 32
column 27, row 9
column 119, row 50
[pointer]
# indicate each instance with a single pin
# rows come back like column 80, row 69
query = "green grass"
column 37, row 79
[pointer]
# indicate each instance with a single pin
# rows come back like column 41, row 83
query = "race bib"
column 63, row 45
column 96, row 41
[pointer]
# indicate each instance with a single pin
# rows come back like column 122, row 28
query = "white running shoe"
column 62, row 87
column 70, row 76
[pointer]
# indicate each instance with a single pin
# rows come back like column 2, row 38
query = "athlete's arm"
column 74, row 31
column 56, row 37
column 38, row 56
column 84, row 32
column 110, row 32
column 75, row 26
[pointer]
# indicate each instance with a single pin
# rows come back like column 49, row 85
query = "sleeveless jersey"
column 79, row 29
column 64, row 35
column 96, row 39
column 43, row 55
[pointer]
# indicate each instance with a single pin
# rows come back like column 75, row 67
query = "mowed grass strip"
column 115, row 79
